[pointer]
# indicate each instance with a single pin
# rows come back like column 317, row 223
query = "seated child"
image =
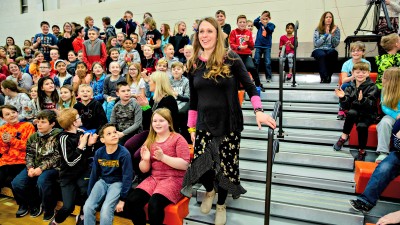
column 110, row 179
column 90, row 110
column 113, row 57
column 357, row 50
column 180, row 84
column 126, row 114
column 360, row 101
column 75, row 149
column 135, row 81
column 34, row 188
column 384, row 173
column 94, row 49
column 391, row 44
column 110, row 88
column 166, row 154
column 14, row 135
column 128, row 55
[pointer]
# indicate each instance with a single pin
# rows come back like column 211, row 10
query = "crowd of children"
column 98, row 109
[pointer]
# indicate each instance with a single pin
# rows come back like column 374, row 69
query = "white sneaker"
column 207, row 202
column 381, row 157
column 220, row 215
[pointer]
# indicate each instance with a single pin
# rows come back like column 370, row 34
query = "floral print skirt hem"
column 220, row 154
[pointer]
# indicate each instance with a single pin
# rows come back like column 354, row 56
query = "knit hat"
column 58, row 61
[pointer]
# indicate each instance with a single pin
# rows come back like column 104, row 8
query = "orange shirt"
column 14, row 152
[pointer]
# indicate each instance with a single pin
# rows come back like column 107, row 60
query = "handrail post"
column 296, row 26
column 272, row 145
column 282, row 59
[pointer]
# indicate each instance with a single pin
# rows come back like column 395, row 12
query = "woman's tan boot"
column 220, row 215
column 207, row 202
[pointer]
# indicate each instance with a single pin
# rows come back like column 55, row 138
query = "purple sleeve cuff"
column 192, row 118
column 256, row 101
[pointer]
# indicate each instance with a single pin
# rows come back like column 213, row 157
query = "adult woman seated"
column 326, row 39
column 14, row 135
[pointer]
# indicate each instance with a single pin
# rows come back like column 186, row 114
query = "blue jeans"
column 108, row 194
column 108, row 107
column 267, row 58
column 326, row 59
column 384, row 173
column 32, row 191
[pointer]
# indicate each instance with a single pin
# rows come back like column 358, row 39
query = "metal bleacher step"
column 302, row 86
column 303, row 79
column 332, row 108
column 234, row 217
column 301, row 120
column 323, row 137
column 302, row 176
column 294, row 203
column 298, row 154
column 305, row 96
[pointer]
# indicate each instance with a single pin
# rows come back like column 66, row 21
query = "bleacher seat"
column 372, row 136
column 363, row 172
column 175, row 213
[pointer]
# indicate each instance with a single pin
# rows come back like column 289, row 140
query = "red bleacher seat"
column 372, row 75
column 175, row 213
column 363, row 173
column 372, row 136
column 241, row 96
column 191, row 149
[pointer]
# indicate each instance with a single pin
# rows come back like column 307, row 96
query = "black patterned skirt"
column 220, row 154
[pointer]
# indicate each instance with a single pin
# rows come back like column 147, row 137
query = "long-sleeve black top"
column 217, row 102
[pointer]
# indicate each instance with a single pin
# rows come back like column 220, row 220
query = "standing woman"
column 215, row 117
column 65, row 43
column 326, row 39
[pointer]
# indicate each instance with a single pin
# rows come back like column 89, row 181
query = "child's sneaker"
column 361, row 155
column 269, row 80
column 339, row 144
column 49, row 215
column 289, row 76
column 360, row 206
column 36, row 211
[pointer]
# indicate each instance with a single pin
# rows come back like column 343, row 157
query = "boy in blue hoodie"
column 110, row 180
column 264, row 42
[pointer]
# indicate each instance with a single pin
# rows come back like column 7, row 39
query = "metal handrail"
column 282, row 58
column 273, row 148
column 296, row 27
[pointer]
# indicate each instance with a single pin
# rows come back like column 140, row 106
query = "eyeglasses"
column 79, row 117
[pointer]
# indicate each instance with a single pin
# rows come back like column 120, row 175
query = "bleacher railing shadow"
column 273, row 148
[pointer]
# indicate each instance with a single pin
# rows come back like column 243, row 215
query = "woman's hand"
column 265, row 119
column 391, row 218
column 142, row 100
column 193, row 137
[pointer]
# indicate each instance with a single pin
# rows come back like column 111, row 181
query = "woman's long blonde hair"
column 215, row 64
column 164, row 113
column 163, row 85
column 391, row 89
